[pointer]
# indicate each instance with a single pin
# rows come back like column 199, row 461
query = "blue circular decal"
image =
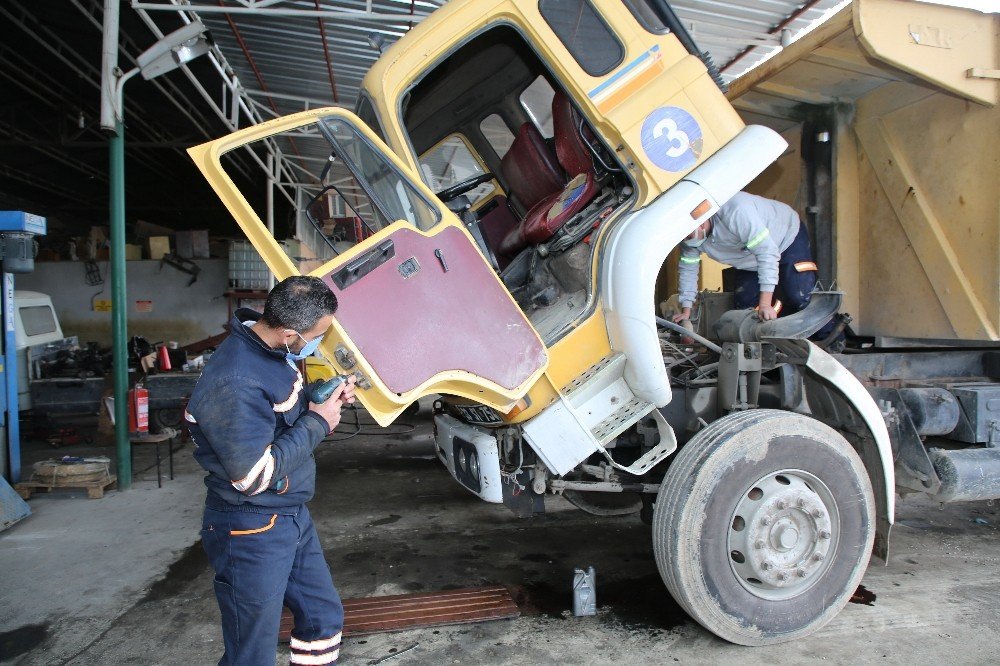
column 671, row 138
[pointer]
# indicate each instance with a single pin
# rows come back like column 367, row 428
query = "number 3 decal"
column 679, row 141
column 671, row 138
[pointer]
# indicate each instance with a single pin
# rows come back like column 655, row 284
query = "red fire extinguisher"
column 138, row 409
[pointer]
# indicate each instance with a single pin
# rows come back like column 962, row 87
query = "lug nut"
column 765, row 565
column 816, row 513
column 781, row 504
column 818, row 557
column 800, row 503
column 823, row 534
column 759, row 545
column 765, row 521
column 782, row 576
column 801, row 573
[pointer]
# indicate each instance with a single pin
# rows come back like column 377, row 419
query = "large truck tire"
column 763, row 526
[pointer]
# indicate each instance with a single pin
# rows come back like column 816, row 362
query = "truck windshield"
column 393, row 196
column 333, row 189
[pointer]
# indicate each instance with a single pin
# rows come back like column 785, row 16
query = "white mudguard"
column 640, row 244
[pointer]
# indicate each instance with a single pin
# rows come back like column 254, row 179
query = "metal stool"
column 167, row 436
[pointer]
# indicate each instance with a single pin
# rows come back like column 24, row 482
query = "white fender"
column 639, row 245
column 854, row 392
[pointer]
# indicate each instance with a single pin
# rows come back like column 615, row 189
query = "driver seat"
column 547, row 216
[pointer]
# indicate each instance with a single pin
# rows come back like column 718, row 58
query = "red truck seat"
column 530, row 171
column 551, row 212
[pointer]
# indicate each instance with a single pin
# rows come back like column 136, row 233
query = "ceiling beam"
column 773, row 31
column 315, row 101
column 326, row 54
column 272, row 12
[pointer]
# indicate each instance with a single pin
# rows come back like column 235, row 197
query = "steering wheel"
column 459, row 189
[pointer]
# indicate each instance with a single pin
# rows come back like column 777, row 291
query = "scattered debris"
column 393, row 654
column 863, row 596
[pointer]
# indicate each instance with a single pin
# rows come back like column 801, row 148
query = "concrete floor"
column 122, row 580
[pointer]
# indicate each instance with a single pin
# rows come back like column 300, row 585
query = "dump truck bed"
column 890, row 110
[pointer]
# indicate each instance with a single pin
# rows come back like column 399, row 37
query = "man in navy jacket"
column 255, row 430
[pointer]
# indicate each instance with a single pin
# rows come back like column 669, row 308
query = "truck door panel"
column 436, row 312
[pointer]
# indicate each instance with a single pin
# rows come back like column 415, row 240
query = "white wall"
column 181, row 313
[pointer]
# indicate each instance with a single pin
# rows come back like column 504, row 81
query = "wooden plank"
column 428, row 609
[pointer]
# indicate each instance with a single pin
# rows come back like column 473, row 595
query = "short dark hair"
column 298, row 303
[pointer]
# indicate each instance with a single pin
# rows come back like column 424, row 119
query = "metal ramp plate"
column 12, row 507
column 428, row 609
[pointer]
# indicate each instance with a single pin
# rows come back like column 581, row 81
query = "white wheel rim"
column 783, row 534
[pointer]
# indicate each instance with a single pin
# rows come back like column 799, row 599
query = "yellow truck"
column 493, row 218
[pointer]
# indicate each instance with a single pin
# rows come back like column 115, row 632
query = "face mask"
column 306, row 351
column 700, row 236
column 698, row 240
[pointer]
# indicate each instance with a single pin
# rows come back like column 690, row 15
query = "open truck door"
column 420, row 310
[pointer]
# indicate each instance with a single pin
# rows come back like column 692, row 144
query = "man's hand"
column 765, row 310
column 330, row 410
column 685, row 313
column 347, row 396
column 766, row 313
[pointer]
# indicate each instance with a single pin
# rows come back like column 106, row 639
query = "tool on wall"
column 183, row 265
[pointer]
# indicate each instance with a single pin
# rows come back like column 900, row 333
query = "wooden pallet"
column 95, row 489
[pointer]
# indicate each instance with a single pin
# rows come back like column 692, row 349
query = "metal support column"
column 111, row 120
column 10, row 378
column 270, row 208
column 119, row 307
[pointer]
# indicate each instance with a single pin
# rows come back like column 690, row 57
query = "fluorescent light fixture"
column 175, row 49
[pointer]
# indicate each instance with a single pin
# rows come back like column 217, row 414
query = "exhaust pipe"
column 745, row 326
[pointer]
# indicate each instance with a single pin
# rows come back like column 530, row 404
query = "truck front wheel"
column 763, row 526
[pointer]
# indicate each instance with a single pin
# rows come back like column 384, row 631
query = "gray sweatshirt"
column 749, row 232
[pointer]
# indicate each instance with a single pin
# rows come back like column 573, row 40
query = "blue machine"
column 17, row 251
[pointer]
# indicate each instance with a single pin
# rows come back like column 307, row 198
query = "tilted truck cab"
column 493, row 220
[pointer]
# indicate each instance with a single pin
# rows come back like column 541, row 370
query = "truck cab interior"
column 504, row 146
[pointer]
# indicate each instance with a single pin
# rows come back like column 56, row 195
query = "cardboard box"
column 218, row 247
column 100, row 235
column 158, row 246
column 192, row 244
column 86, row 249
column 133, row 252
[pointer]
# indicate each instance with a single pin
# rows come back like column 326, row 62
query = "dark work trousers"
column 796, row 280
column 264, row 561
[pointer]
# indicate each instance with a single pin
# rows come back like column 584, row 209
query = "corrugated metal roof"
column 739, row 35
column 285, row 55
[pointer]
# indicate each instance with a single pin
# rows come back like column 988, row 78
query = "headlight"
column 462, row 464
column 474, row 464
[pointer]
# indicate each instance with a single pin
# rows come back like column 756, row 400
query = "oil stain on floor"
column 23, row 639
